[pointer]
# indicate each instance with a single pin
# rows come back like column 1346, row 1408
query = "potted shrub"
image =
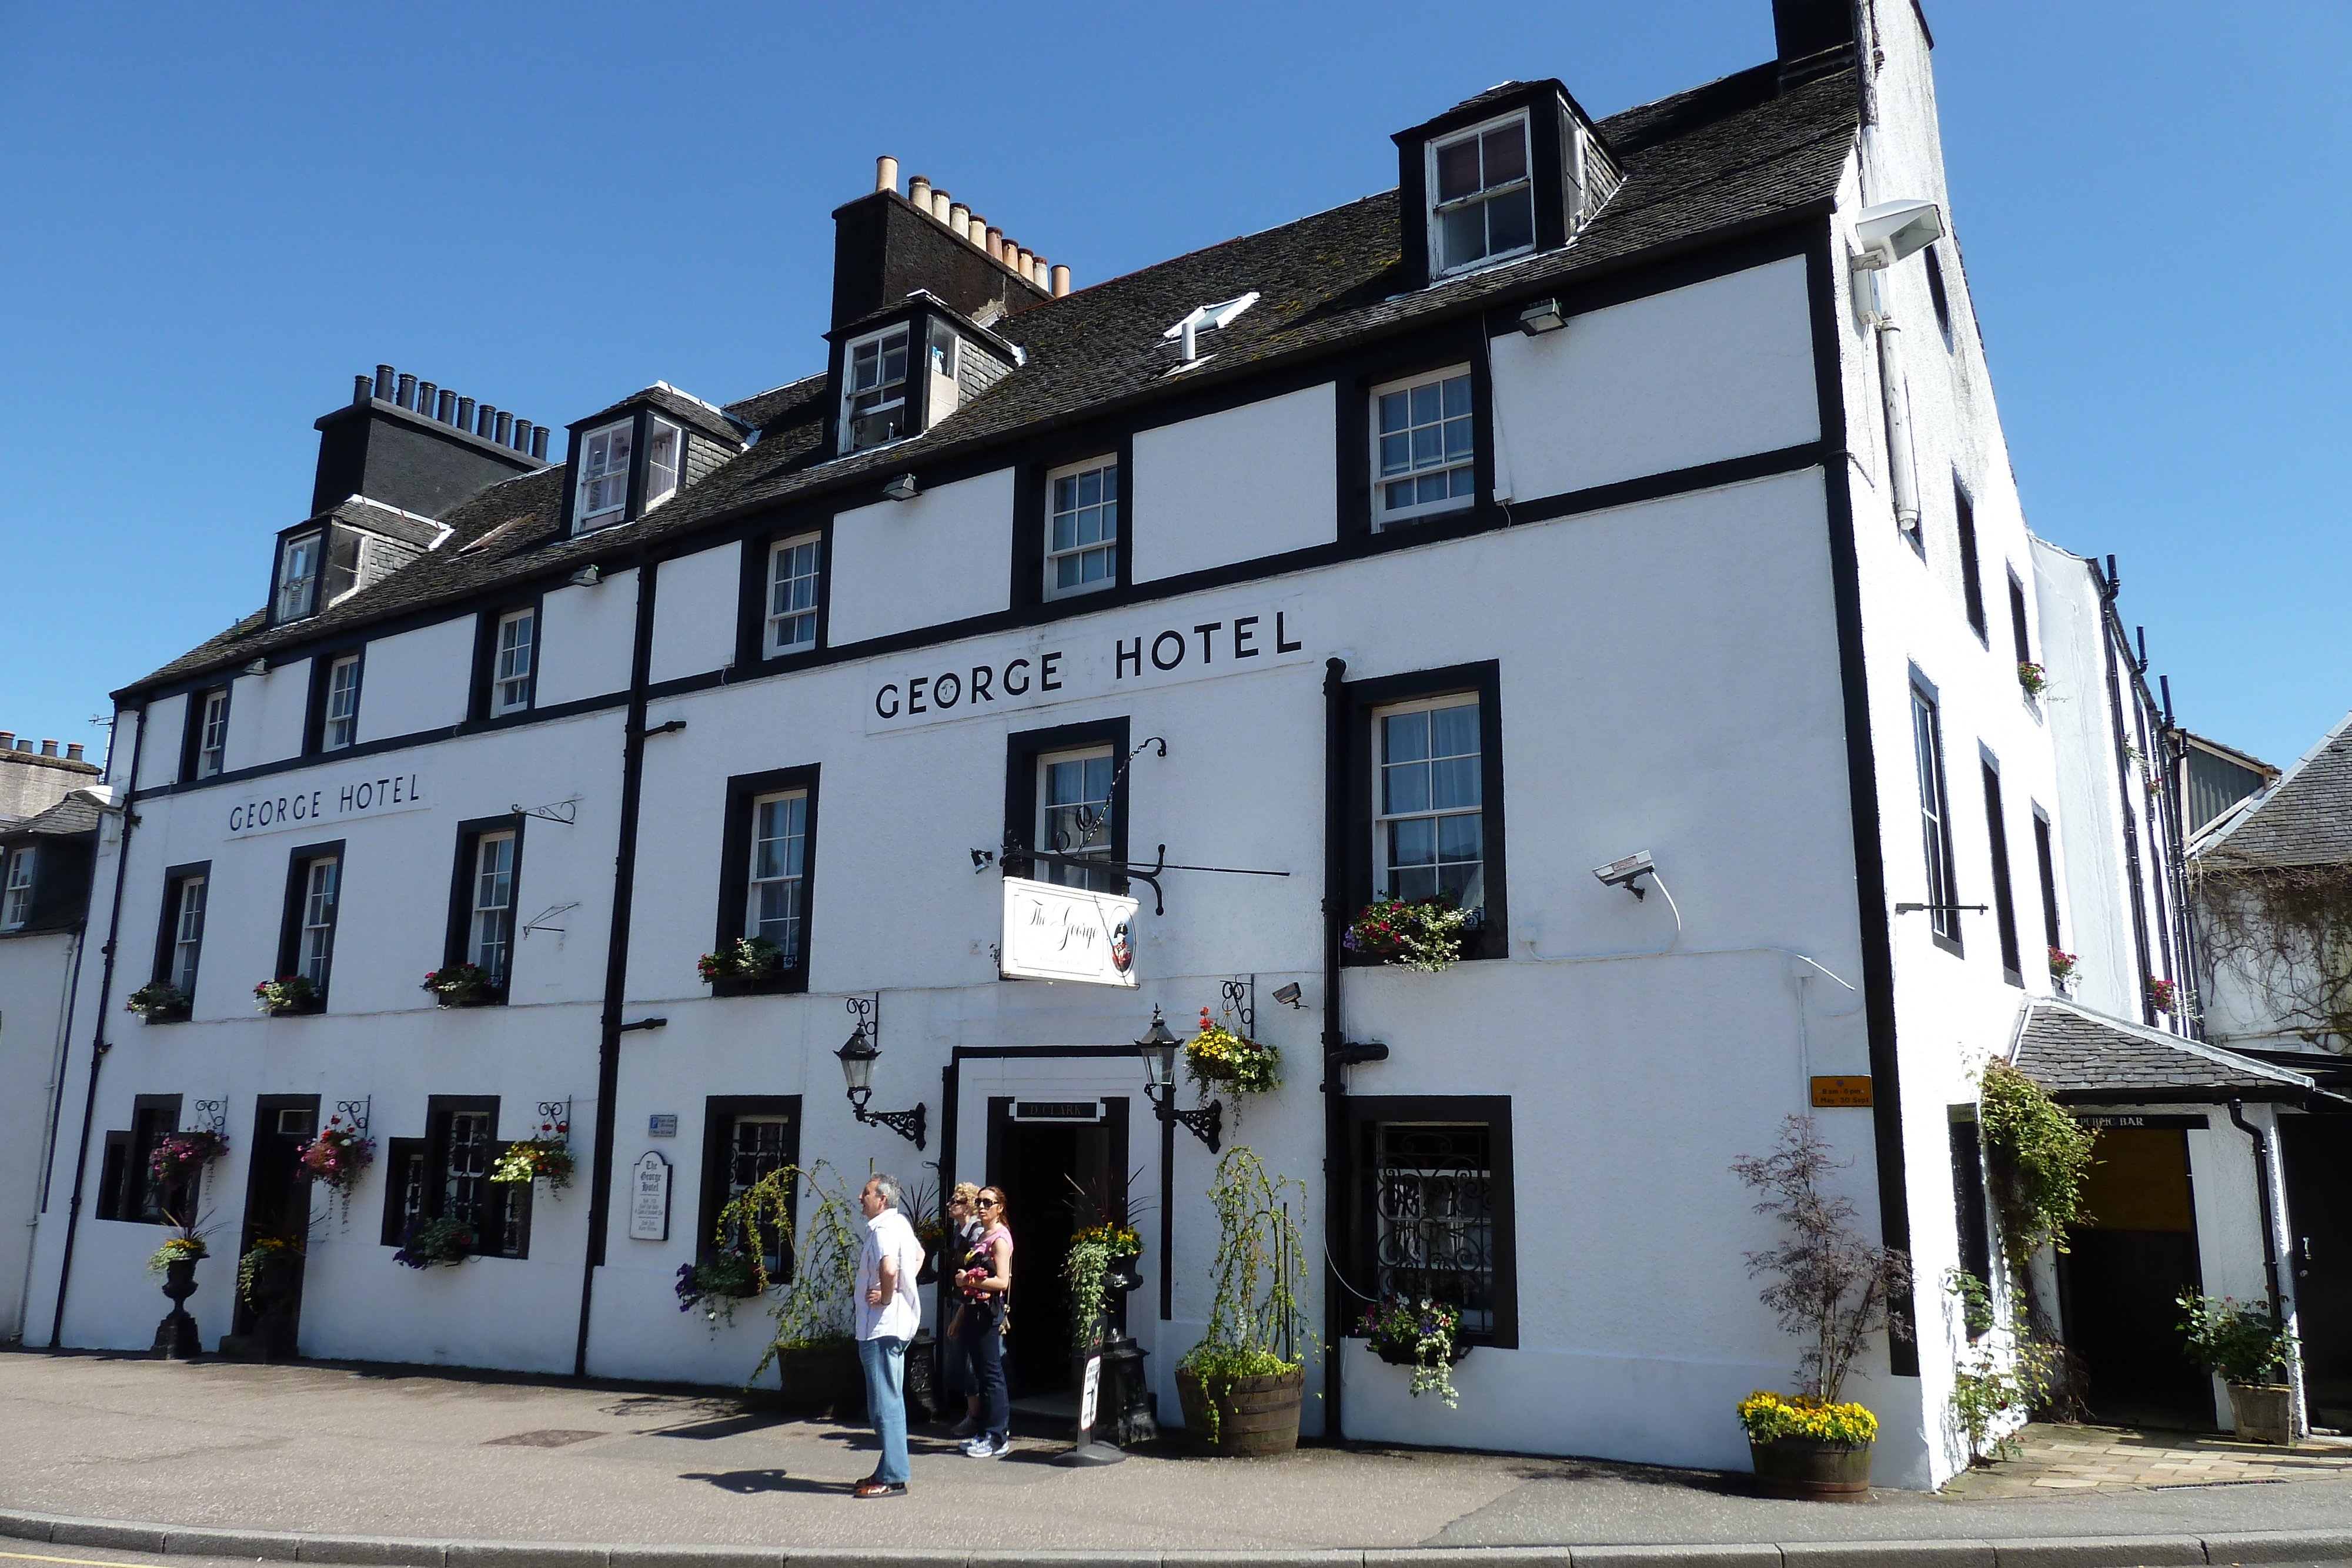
column 158, row 1001
column 2061, row 970
column 2033, row 677
column 432, row 1241
column 286, row 994
column 1241, row 1385
column 175, row 1260
column 716, row 1281
column 815, row 1347
column 1413, row 934
column 2248, row 1345
column 1218, row 1059
column 1830, row 1287
column 545, row 1156
column 1421, row 1335
column 746, row 961
column 461, row 985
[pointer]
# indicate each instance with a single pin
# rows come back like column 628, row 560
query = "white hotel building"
column 1552, row 506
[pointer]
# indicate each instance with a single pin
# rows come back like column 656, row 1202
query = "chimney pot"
column 505, row 436
column 539, row 441
column 523, row 435
column 1024, row 262
column 465, row 413
column 384, row 382
column 918, row 191
column 1061, row 276
column 977, row 231
column 993, row 242
column 425, row 391
column 445, row 411
column 73, row 751
column 885, row 173
column 7, row 740
column 958, row 217
column 363, row 388
column 940, row 205
column 407, row 396
column 486, row 420
column 49, row 749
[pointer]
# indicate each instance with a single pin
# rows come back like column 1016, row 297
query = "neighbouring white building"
column 1609, row 487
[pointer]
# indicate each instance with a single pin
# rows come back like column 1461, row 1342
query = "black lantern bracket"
column 857, row 1055
column 1157, row 1049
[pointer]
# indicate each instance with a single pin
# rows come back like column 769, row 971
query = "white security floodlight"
column 902, row 488
column 1889, row 231
column 1627, row 872
column 1543, row 316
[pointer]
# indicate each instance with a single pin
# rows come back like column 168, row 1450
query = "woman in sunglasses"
column 987, row 1289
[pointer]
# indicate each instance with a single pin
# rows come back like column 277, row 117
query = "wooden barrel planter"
column 1811, row 1470
column 1254, row 1415
column 823, row 1380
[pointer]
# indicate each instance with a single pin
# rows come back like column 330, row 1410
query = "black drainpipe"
column 617, row 957
column 2263, row 1192
column 1337, row 1171
column 98, row 1046
column 2110, row 631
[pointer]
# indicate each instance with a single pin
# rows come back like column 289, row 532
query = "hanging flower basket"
column 158, row 1001
column 286, row 994
column 2163, row 996
column 546, row 1156
column 745, row 959
column 1417, row 933
column 718, row 1281
column 432, row 1241
column 1421, row 1335
column 338, row 1157
column 2061, row 969
column 2034, row 678
column 1217, row 1058
column 462, row 985
column 180, row 1157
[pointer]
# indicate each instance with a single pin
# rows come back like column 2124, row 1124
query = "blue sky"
column 217, row 215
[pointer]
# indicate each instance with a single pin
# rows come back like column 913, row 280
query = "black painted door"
column 277, row 1206
column 2317, row 1154
column 2120, row 1280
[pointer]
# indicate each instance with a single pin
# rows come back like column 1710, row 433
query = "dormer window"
column 1482, row 205
column 605, row 475
column 664, row 459
column 298, row 576
column 874, row 410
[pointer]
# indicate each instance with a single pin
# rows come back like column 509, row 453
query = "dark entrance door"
column 2119, row 1282
column 277, row 1207
column 1059, row 1177
column 2317, row 1154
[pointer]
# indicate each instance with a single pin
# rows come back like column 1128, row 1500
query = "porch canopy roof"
column 2083, row 1057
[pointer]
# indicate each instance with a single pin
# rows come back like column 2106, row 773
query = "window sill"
column 306, row 1009
column 788, row 983
column 1411, row 519
column 152, row 1019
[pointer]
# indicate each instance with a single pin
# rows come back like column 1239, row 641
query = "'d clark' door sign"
column 1055, row 932
column 649, row 1200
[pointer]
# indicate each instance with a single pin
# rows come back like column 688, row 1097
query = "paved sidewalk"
column 210, row 1454
column 2076, row 1458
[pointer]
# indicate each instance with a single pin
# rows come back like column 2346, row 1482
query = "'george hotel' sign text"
column 328, row 805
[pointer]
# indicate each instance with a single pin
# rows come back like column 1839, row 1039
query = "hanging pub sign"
column 1055, row 932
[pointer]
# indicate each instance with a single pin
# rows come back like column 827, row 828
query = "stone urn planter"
column 175, row 1336
column 1252, row 1416
column 823, row 1380
column 1813, row 1469
column 2264, row 1412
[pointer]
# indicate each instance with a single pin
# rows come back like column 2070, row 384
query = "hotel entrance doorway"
column 1063, row 1167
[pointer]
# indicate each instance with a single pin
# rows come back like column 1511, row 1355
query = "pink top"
column 984, row 1254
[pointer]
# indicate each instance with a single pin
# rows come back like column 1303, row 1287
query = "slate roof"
column 2087, row 1058
column 685, row 407
column 77, row 813
column 2305, row 818
column 1733, row 155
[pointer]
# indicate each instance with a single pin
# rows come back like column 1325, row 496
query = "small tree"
column 816, row 1308
column 1831, row 1286
column 1257, row 1325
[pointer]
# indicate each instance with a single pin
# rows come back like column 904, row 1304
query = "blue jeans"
column 985, row 1344
column 885, row 1361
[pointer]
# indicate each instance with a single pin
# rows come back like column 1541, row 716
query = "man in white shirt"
column 888, row 1316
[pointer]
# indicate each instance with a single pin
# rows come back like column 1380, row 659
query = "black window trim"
column 1023, row 748
column 191, row 735
column 167, row 927
column 752, row 655
column 1032, row 495
column 720, row 1112
column 438, row 1109
column 1954, row 943
column 1365, row 1113
column 314, row 714
column 2004, row 891
column 735, row 875
column 1462, row 342
column 455, row 941
column 1964, row 527
column 1484, row 678
column 122, row 1177
column 1971, row 1215
column 486, row 657
column 290, row 923
column 2045, row 858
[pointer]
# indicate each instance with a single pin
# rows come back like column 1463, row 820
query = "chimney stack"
column 884, row 251
column 400, row 460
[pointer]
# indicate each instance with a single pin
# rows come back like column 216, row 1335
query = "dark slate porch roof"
column 2084, row 1058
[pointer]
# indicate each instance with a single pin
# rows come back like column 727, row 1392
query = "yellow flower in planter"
column 1768, row 1415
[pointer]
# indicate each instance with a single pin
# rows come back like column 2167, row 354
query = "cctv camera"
column 1288, row 995
column 1627, row 872
column 1893, row 230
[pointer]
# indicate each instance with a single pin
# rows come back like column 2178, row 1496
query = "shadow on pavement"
column 749, row 1483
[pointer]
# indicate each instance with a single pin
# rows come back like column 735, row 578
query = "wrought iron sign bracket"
column 564, row 811
column 1148, row 876
column 212, row 1115
column 355, row 1112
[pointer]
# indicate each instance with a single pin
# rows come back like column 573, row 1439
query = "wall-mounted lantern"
column 1157, row 1049
column 856, row 1056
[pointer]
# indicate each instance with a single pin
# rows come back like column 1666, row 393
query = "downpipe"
column 1335, row 1084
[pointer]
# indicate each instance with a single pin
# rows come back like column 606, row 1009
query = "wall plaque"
column 1841, row 1091
column 649, row 1199
column 661, row 1124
